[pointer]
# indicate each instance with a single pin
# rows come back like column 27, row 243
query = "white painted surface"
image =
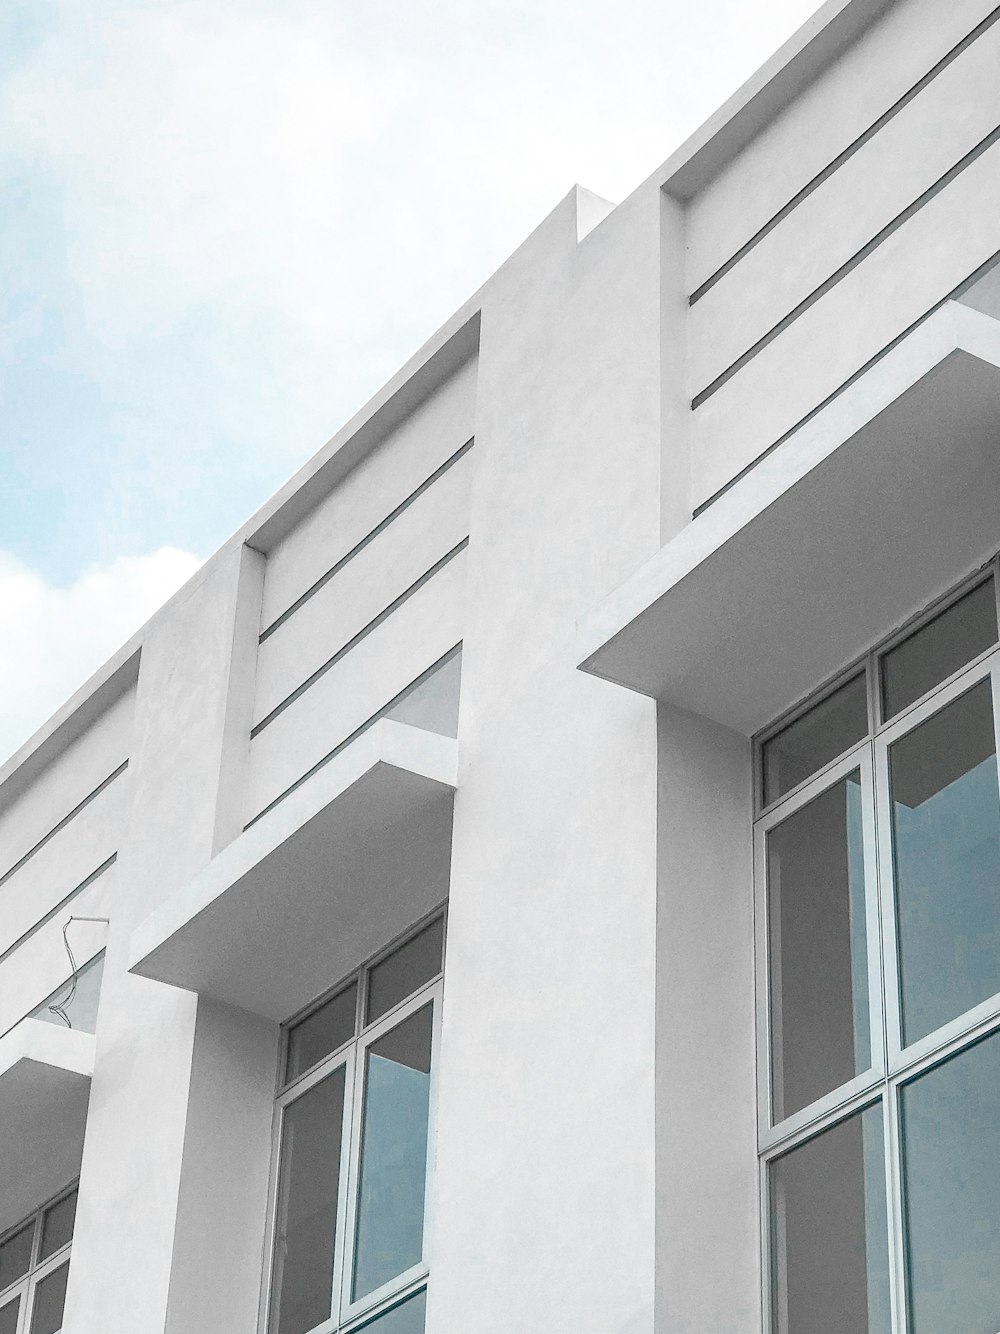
column 66, row 782
column 64, row 862
column 543, row 1191
column 348, row 861
column 824, row 545
column 596, row 1106
column 44, row 1086
column 39, row 964
column 903, row 44
column 707, row 1235
column 918, row 146
column 381, row 572
column 439, row 426
column 898, row 283
column 417, row 633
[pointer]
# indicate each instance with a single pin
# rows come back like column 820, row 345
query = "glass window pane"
column 404, row 971
column 951, row 1164
column 433, row 702
column 389, row 1234
column 946, row 839
column 407, row 1318
column 15, row 1255
column 74, row 1004
column 827, row 730
column 49, row 1301
column 57, row 1229
column 8, row 1316
column 321, row 1032
column 829, row 1232
column 939, row 648
column 817, row 948
column 306, row 1214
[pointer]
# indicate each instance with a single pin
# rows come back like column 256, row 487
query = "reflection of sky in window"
column 951, row 1138
column 79, row 1005
column 948, row 879
column 394, row 1156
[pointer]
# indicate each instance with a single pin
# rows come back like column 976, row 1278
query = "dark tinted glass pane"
column 390, row 1220
column 8, row 1316
column 407, row 1318
column 951, row 1161
column 941, row 647
column 403, row 972
column 832, row 726
column 817, row 948
column 829, row 1234
column 49, row 1301
column 946, row 838
column 57, row 1229
column 306, row 1214
column 15, row 1255
column 321, row 1032
column 433, row 703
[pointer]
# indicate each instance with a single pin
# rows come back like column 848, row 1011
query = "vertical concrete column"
column 139, row 1107
column 707, row 1266
column 543, row 1193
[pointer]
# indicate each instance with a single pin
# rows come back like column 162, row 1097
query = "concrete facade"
column 668, row 442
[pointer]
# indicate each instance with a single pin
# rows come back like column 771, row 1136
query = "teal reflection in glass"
column 389, row 1233
column 817, row 948
column 946, row 840
column 829, row 1232
column 407, row 1318
column 951, row 1171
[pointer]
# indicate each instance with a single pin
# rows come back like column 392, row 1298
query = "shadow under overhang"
column 45, row 1073
column 338, row 868
column 881, row 502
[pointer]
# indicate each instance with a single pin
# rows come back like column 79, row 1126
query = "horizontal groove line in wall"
column 66, row 819
column 380, row 527
column 973, row 277
column 63, row 902
column 363, row 633
column 833, row 167
column 848, row 266
column 342, row 745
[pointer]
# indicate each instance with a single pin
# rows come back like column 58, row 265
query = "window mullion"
column 894, row 1186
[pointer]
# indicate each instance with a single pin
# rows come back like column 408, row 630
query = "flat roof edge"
column 810, row 50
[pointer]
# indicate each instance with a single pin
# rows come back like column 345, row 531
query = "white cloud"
column 54, row 638
column 308, row 189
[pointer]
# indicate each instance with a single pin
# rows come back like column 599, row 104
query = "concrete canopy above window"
column 886, row 498
column 45, row 1073
column 323, row 880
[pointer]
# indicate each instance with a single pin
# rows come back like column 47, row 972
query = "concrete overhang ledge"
column 883, row 500
column 350, row 859
column 45, row 1073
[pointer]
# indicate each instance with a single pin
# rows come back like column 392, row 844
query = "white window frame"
column 38, row 1270
column 893, row 1066
column 347, row 1315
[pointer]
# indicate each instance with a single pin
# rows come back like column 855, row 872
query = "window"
column 352, row 1133
column 34, row 1267
column 877, row 856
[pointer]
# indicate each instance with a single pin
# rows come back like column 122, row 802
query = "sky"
column 225, row 223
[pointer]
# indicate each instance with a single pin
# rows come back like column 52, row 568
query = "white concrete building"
column 542, row 875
